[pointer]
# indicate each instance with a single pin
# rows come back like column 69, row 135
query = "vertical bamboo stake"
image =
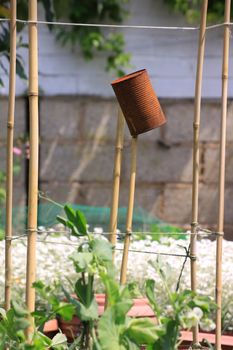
column 221, row 188
column 34, row 150
column 130, row 210
column 9, row 169
column 116, row 178
column 196, row 157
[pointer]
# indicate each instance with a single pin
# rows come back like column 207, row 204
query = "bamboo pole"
column 116, row 178
column 34, row 150
column 9, row 169
column 196, row 151
column 129, row 218
column 221, row 188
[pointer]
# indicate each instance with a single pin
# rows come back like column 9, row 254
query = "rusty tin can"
column 138, row 102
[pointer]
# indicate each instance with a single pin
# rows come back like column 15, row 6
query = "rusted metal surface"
column 138, row 102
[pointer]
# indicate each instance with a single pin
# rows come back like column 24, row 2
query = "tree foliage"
column 191, row 9
column 92, row 40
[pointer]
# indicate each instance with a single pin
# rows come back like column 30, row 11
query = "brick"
column 211, row 164
column 208, row 210
column 20, row 115
column 179, row 127
column 61, row 118
column 101, row 122
column 160, row 164
column 177, row 204
column 96, row 194
column 79, row 162
column 147, row 197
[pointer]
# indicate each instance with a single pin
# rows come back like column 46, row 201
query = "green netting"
column 96, row 217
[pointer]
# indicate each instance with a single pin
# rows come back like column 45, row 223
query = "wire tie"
column 194, row 225
column 219, row 234
column 33, row 93
column 128, row 233
column 32, row 230
column 192, row 257
column 10, row 125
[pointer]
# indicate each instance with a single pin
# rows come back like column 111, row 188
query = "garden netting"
column 96, row 217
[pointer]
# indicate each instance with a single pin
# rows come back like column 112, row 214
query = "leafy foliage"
column 13, row 324
column 114, row 329
column 185, row 310
column 191, row 9
column 91, row 39
column 94, row 39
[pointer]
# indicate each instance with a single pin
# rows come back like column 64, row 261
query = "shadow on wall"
column 77, row 158
column 77, row 152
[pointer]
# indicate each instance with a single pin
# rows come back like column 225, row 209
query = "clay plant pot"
column 186, row 336
column 72, row 329
column 138, row 101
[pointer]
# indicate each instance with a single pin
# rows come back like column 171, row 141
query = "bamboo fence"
column 10, row 141
column 196, row 153
column 222, row 160
column 116, row 178
column 34, row 154
column 129, row 218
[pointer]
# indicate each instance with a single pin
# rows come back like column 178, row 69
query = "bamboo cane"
column 129, row 218
column 116, row 178
column 196, row 157
column 9, row 169
column 34, row 150
column 221, row 188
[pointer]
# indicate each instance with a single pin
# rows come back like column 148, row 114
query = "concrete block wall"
column 19, row 132
column 77, row 153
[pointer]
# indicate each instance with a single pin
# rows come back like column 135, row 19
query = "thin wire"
column 156, row 253
column 118, row 249
column 72, row 24
column 123, row 26
column 204, row 233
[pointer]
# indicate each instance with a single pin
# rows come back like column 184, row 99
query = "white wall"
column 170, row 58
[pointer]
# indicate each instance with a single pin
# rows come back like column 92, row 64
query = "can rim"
column 128, row 76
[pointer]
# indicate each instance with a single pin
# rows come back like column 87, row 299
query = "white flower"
column 207, row 325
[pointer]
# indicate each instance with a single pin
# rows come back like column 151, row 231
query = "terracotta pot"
column 227, row 341
column 138, row 102
column 71, row 329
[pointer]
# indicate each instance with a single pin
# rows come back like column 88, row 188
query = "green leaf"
column 58, row 340
column 102, row 249
column 81, row 222
column 18, row 310
column 121, row 309
column 85, row 313
column 66, row 311
column 82, row 260
column 62, row 220
column 81, row 290
column 143, row 331
column 109, row 333
column 150, row 288
column 90, row 312
column 21, row 323
column 70, row 213
column 112, row 289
